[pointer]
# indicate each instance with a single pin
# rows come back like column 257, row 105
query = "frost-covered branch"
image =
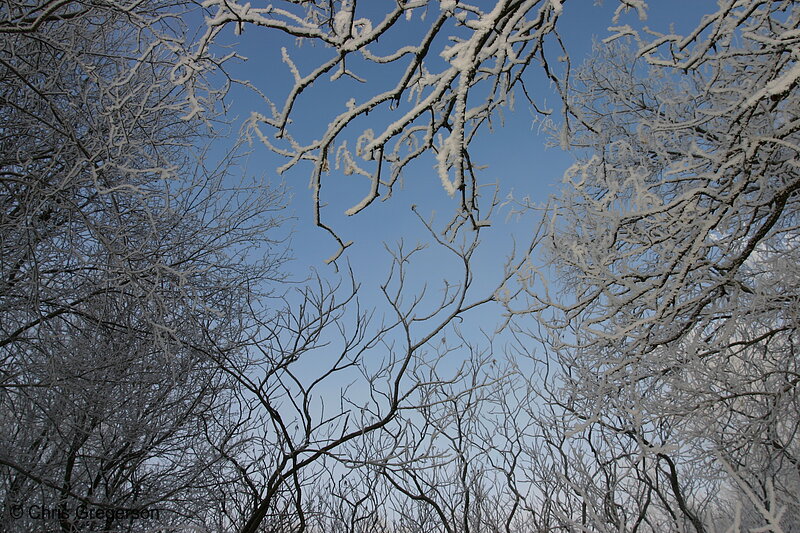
column 450, row 67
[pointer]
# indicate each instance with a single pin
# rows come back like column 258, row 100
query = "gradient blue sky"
column 516, row 153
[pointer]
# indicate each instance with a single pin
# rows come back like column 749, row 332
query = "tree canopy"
column 162, row 365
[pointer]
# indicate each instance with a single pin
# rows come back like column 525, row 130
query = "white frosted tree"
column 124, row 270
column 673, row 253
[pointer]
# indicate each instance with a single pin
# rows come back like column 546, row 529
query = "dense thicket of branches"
column 676, row 241
column 645, row 379
column 122, row 270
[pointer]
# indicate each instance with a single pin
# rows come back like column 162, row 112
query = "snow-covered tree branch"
column 448, row 68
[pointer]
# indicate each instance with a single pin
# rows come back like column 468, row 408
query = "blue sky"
column 515, row 153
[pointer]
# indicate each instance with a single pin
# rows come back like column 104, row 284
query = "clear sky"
column 515, row 153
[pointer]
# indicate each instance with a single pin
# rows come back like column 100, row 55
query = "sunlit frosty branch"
column 447, row 84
